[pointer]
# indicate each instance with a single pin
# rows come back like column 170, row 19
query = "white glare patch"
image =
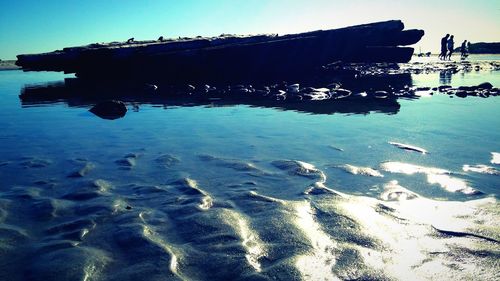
column 318, row 263
column 434, row 176
column 206, row 200
column 451, row 184
column 395, row 192
column 410, row 169
column 495, row 158
column 483, row 169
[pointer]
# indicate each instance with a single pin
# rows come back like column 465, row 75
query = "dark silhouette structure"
column 444, row 49
column 231, row 57
column 130, row 40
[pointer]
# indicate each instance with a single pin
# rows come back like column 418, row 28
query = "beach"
column 194, row 187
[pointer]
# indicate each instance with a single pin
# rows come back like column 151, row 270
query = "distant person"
column 161, row 39
column 463, row 50
column 444, row 50
column 451, row 45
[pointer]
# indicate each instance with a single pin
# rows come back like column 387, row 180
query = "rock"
column 319, row 95
column 380, row 94
column 239, row 89
column 150, row 88
column 307, row 90
column 293, row 89
column 485, row 85
column 467, row 88
column 110, row 110
column 461, row 94
column 444, row 87
column 340, row 93
column 190, row 88
column 334, row 86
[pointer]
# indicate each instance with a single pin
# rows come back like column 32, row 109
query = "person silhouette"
column 463, row 50
column 444, row 50
column 450, row 44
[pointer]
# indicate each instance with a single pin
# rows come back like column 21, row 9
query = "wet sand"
column 178, row 190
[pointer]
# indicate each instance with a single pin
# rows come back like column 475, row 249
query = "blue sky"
column 32, row 26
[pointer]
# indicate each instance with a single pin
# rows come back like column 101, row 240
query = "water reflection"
column 79, row 93
column 445, row 77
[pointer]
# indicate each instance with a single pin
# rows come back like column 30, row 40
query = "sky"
column 35, row 26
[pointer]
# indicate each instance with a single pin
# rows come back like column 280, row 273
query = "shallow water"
column 224, row 192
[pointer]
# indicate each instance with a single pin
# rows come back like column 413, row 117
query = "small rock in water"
column 190, row 88
column 380, row 94
column 150, row 88
column 128, row 207
column 110, row 109
column 293, row 89
column 461, row 94
column 444, row 88
column 422, row 88
column 340, row 93
column 334, row 86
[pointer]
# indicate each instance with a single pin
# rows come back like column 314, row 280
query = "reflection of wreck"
column 77, row 92
column 231, row 57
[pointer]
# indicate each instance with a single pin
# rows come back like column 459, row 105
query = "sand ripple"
column 193, row 227
column 364, row 171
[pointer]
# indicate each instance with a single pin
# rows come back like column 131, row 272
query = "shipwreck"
column 229, row 57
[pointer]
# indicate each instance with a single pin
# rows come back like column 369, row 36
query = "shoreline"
column 8, row 65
